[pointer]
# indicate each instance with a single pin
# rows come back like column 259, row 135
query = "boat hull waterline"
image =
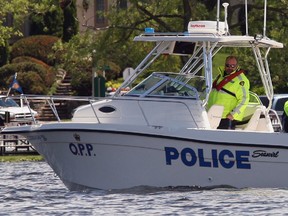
column 100, row 158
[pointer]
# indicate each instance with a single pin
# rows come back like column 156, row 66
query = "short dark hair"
column 232, row 57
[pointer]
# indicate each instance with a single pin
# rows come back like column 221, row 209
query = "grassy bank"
column 18, row 158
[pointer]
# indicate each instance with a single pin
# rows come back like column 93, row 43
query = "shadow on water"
column 142, row 190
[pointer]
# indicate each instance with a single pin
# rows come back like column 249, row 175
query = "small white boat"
column 160, row 134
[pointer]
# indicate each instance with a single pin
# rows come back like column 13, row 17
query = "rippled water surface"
column 30, row 188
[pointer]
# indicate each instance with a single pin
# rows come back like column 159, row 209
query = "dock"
column 15, row 145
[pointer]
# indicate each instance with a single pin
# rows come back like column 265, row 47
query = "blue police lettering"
column 226, row 154
column 73, row 148
column 81, row 149
column 171, row 154
column 202, row 162
column 243, row 160
column 224, row 158
column 214, row 158
column 188, row 152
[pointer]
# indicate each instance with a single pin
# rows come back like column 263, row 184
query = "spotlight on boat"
column 149, row 30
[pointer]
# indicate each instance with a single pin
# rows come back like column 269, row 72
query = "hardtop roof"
column 222, row 40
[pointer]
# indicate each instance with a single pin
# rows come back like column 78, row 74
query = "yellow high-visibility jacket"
column 234, row 95
column 286, row 108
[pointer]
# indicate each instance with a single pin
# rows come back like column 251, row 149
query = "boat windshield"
column 170, row 85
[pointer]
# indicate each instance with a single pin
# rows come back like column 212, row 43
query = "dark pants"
column 227, row 124
column 285, row 122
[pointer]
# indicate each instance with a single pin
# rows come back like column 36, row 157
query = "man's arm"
column 242, row 96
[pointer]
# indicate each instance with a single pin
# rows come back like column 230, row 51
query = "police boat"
column 160, row 134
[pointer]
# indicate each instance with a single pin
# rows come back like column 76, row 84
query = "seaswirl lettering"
column 223, row 158
column 262, row 153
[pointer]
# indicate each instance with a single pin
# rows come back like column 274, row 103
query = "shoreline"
column 21, row 158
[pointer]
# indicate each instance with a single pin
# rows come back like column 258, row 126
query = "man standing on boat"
column 231, row 90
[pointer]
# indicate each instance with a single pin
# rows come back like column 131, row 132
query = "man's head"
column 231, row 64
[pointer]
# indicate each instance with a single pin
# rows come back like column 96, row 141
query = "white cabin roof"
column 222, row 40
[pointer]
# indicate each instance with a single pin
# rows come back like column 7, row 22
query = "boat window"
column 170, row 85
column 254, row 98
column 172, row 88
column 198, row 82
column 145, row 85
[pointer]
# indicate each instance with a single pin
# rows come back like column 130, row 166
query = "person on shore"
column 231, row 90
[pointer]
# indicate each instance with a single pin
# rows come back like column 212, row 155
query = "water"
column 31, row 188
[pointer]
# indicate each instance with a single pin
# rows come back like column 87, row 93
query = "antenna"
column 218, row 15
column 246, row 17
column 225, row 5
column 264, row 26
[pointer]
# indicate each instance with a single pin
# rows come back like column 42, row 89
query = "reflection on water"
column 30, row 188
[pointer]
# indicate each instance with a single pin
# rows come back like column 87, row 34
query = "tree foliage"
column 30, row 56
column 47, row 23
column 276, row 28
column 30, row 59
column 115, row 49
column 46, row 16
column 70, row 23
column 115, row 46
column 19, row 9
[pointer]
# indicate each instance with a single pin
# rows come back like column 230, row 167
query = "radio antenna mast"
column 246, row 17
column 265, row 14
column 218, row 15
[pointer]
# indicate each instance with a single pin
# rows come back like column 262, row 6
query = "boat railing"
column 52, row 101
column 96, row 116
column 275, row 120
column 82, row 100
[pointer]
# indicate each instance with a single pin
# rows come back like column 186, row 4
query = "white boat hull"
column 102, row 157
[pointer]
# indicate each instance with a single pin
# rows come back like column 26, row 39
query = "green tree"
column 18, row 11
column 13, row 13
column 276, row 28
column 70, row 23
column 115, row 45
column 47, row 22
column 60, row 20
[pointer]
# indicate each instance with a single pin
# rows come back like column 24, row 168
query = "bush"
column 21, row 59
column 81, row 82
column 33, row 78
column 39, row 47
column 32, row 83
